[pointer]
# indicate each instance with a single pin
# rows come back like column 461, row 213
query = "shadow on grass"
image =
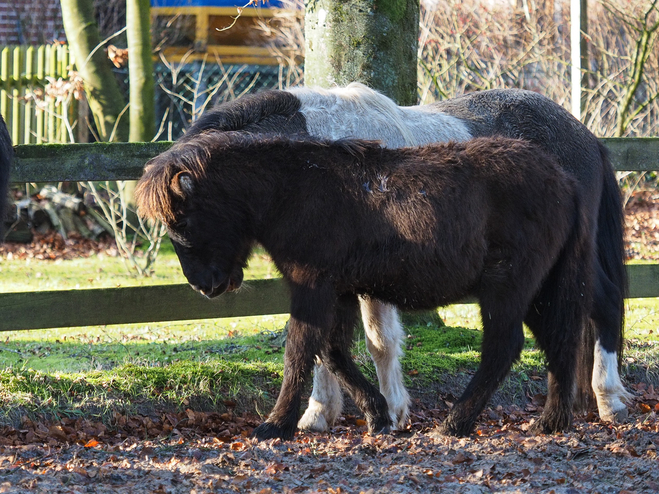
column 72, row 378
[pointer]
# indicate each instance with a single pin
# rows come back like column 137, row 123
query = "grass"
column 201, row 364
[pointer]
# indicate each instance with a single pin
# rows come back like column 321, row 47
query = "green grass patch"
column 201, row 364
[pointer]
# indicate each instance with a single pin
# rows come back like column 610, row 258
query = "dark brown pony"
column 357, row 111
column 493, row 218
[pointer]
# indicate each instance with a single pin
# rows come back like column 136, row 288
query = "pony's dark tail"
column 611, row 257
column 6, row 159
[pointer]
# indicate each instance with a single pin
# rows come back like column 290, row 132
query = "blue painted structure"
column 214, row 3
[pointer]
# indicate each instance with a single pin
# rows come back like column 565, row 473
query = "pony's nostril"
column 204, row 291
column 199, row 289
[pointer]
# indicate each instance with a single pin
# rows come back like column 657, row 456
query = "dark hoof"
column 450, row 428
column 382, row 430
column 268, row 430
column 552, row 424
column 382, row 426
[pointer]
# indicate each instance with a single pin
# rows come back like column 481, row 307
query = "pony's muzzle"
column 212, row 291
column 219, row 283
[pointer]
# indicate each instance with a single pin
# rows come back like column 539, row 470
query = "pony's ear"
column 182, row 184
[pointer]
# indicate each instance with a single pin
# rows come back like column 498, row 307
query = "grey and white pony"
column 359, row 112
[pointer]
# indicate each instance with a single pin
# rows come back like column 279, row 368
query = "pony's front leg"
column 311, row 318
column 338, row 360
column 384, row 341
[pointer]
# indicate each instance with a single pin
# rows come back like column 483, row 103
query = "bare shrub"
column 469, row 45
column 624, row 67
column 474, row 45
column 286, row 32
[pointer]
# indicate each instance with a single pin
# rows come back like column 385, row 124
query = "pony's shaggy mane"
column 358, row 99
column 264, row 112
column 156, row 195
column 152, row 194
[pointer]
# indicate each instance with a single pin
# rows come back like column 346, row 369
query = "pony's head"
column 205, row 218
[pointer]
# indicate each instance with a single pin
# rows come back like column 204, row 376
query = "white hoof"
column 619, row 415
column 313, row 420
column 399, row 408
column 325, row 403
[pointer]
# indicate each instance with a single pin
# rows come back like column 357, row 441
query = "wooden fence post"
column 4, row 74
column 63, row 108
column 16, row 110
column 29, row 104
column 51, row 61
column 41, row 73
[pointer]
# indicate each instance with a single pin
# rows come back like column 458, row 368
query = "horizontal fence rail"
column 83, row 162
column 125, row 161
column 102, row 306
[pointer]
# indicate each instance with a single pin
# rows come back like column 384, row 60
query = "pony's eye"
column 181, row 225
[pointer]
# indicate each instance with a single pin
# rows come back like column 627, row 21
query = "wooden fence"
column 68, row 308
column 34, row 117
column 23, row 73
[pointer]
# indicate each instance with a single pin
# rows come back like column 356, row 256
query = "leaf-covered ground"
column 193, row 451
column 210, row 452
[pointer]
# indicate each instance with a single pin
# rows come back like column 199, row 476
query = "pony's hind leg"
column 503, row 340
column 557, row 317
column 338, row 360
column 557, row 333
column 561, row 356
column 606, row 315
column 325, row 402
column 384, row 340
column 561, row 383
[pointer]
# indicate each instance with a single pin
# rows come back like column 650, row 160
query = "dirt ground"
column 195, row 452
column 207, row 452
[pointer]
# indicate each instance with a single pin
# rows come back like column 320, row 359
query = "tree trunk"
column 371, row 41
column 140, row 68
column 374, row 42
column 105, row 98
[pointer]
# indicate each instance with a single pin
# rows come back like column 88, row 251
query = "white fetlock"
column 609, row 391
column 325, row 403
column 399, row 408
column 384, row 341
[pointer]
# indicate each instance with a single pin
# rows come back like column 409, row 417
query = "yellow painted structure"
column 214, row 33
